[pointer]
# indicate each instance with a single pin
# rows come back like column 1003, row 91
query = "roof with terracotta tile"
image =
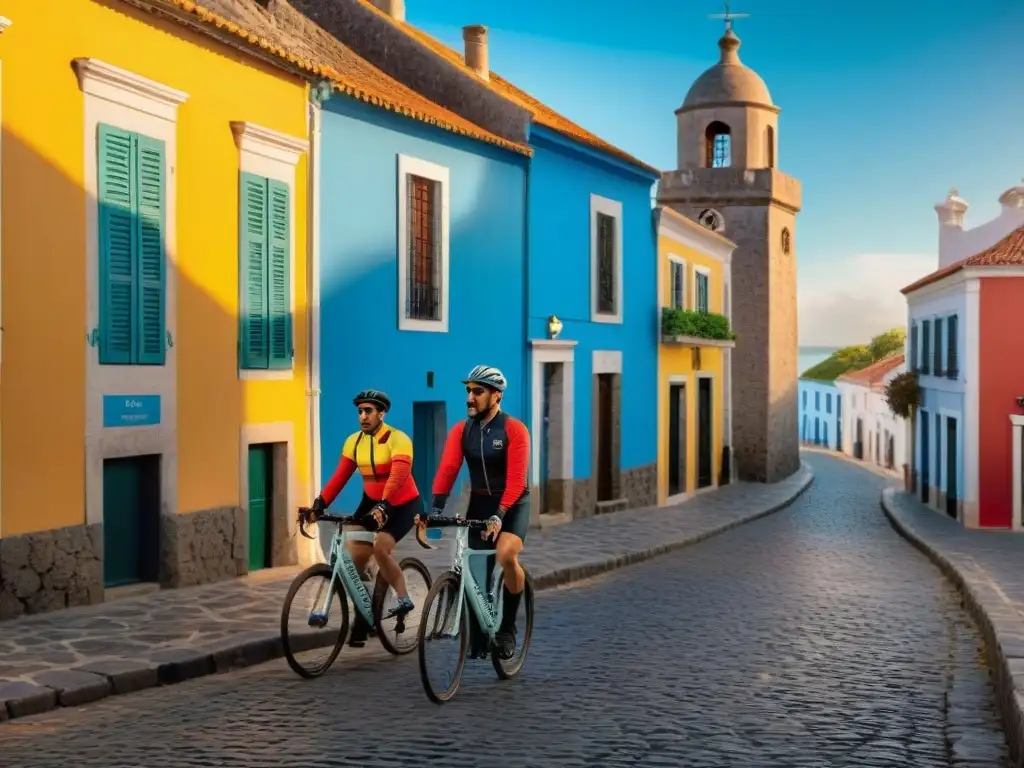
column 287, row 35
column 874, row 373
column 543, row 114
column 1008, row 252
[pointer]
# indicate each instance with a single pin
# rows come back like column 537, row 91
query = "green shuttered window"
column 265, row 318
column 133, row 259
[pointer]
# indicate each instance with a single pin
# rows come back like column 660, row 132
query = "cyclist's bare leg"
column 507, row 553
column 382, row 548
column 360, row 552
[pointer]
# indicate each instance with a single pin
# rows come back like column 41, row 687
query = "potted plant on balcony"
column 903, row 396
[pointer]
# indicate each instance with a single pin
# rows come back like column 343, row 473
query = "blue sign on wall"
column 131, row 410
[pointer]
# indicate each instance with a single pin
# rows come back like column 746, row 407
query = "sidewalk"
column 988, row 568
column 76, row 656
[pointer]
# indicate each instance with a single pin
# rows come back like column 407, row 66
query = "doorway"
column 925, row 456
column 677, row 479
column 428, row 434
column 705, row 431
column 261, row 503
column 858, row 440
column 551, row 487
column 817, row 430
column 131, row 520
column 952, row 470
column 938, row 458
column 604, row 424
column 839, row 422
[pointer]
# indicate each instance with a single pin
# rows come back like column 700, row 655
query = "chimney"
column 475, row 38
column 393, row 8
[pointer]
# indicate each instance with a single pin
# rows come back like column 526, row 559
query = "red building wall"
column 1001, row 381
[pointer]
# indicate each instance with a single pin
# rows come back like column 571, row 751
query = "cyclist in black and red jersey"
column 496, row 448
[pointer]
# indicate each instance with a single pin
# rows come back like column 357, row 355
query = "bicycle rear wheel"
column 437, row 625
column 307, row 630
column 398, row 634
column 508, row 669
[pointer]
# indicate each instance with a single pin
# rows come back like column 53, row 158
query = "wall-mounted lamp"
column 554, row 327
column 1020, row 400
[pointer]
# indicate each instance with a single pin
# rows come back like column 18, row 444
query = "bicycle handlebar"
column 440, row 521
column 304, row 514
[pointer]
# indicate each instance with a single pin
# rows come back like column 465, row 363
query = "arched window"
column 718, row 146
column 769, row 147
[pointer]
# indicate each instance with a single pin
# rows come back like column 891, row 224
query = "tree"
column 903, row 394
column 885, row 344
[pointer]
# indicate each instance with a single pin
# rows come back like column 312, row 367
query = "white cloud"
column 849, row 301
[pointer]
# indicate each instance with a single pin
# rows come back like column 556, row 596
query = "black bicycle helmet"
column 374, row 397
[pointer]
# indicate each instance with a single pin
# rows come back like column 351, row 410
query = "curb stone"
column 101, row 678
column 1006, row 664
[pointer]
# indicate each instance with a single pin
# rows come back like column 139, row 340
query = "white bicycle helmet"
column 488, row 377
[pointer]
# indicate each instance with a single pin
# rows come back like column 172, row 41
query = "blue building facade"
column 422, row 275
column 592, row 265
column 820, row 414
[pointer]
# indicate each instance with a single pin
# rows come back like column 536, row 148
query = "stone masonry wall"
column 203, row 547
column 50, row 570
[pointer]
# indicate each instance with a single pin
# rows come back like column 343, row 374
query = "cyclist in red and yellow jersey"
column 496, row 448
column 391, row 500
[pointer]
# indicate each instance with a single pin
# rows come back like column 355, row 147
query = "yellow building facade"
column 694, row 370
column 154, row 423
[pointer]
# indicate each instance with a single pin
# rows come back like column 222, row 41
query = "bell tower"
column 728, row 180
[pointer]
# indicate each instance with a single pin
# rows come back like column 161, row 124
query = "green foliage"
column 885, row 344
column 703, row 325
column 903, row 394
column 858, row 356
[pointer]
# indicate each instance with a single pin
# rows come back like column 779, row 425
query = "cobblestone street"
column 812, row 637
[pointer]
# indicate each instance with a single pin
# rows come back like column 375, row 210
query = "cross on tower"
column 728, row 16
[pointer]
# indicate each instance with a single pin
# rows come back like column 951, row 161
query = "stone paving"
column 988, row 567
column 77, row 656
column 813, row 638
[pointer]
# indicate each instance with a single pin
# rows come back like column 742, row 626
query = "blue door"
column 428, row 432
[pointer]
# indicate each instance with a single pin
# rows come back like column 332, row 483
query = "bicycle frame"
column 486, row 606
column 344, row 570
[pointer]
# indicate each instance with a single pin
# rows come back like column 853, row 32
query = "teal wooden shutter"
column 117, row 231
column 254, row 347
column 152, row 258
column 279, row 277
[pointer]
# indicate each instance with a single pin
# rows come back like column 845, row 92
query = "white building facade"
column 870, row 431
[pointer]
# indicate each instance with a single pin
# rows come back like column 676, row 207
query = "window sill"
column 606, row 317
column 266, row 374
column 697, row 341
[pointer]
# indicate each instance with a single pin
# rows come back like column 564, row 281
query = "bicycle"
column 462, row 590
column 341, row 579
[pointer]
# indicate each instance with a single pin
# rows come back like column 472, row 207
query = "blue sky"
column 884, row 107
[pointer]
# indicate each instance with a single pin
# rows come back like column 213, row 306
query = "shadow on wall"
column 45, row 406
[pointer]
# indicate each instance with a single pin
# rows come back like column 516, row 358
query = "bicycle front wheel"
column 311, row 626
column 440, row 628
column 398, row 634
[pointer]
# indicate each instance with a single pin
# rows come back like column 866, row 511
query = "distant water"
column 808, row 356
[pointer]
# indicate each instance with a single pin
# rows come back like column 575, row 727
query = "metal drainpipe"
column 313, row 297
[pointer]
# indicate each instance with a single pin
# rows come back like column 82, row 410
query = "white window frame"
column 611, row 208
column 131, row 102
column 700, row 270
column 674, row 260
column 414, row 166
column 273, row 155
